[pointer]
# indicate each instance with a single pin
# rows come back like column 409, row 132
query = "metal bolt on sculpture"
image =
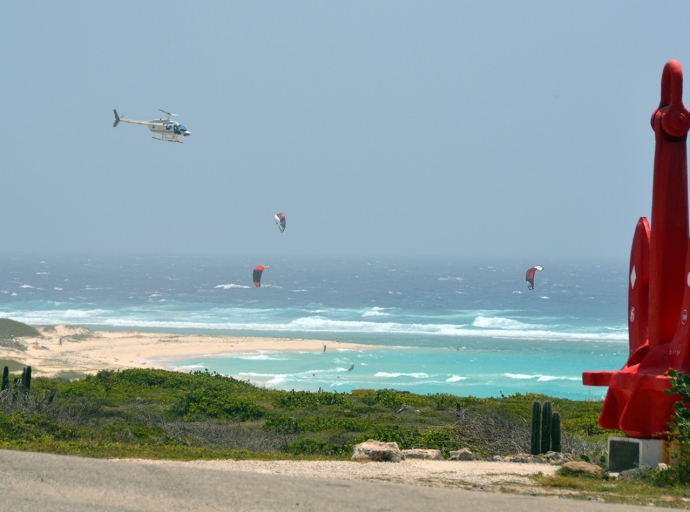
column 659, row 283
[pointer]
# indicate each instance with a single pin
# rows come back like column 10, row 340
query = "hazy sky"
column 412, row 128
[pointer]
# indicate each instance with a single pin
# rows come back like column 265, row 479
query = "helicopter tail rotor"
column 117, row 118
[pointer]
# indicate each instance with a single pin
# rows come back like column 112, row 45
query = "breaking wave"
column 539, row 378
column 417, row 375
column 231, row 319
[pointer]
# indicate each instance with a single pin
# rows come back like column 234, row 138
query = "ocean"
column 440, row 325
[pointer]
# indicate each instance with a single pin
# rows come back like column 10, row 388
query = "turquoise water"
column 456, row 326
column 485, row 371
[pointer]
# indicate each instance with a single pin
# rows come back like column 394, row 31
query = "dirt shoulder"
column 443, row 473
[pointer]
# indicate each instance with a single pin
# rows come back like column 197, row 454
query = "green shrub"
column 201, row 404
column 679, row 429
column 310, row 447
column 295, row 399
column 287, row 425
column 385, row 397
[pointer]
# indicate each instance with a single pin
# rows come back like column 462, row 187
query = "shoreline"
column 86, row 352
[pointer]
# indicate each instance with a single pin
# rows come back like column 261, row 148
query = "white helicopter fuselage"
column 167, row 129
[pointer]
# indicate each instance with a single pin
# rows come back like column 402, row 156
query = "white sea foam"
column 57, row 288
column 546, row 378
column 278, row 379
column 231, row 285
column 26, row 286
column 501, row 323
column 42, row 273
column 257, row 357
column 418, row 375
column 375, row 311
column 368, row 314
column 222, row 319
column 540, row 378
column 191, row 367
column 455, row 378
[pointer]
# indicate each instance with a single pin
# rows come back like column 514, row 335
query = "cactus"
column 17, row 381
column 27, row 378
column 5, row 378
column 536, row 428
column 556, row 432
column 546, row 413
column 24, row 377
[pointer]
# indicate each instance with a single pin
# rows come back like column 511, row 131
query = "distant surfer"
column 324, row 347
column 60, row 341
column 351, row 368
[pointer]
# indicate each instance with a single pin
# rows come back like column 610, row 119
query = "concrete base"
column 629, row 453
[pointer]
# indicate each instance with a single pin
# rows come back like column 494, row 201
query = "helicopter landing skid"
column 167, row 140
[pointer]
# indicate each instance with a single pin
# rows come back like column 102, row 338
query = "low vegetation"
column 13, row 329
column 650, row 489
column 168, row 415
column 161, row 414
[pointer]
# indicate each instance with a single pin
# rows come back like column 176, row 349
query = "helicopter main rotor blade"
column 166, row 112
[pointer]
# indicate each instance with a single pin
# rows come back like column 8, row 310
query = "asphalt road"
column 41, row 482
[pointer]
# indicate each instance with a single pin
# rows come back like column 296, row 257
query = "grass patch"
column 186, row 416
column 14, row 366
column 641, row 491
column 13, row 329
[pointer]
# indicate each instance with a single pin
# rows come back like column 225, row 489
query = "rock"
column 524, row 458
column 377, row 451
column 662, row 467
column 464, row 454
column 417, row 453
column 632, row 474
column 557, row 458
column 497, row 458
column 582, row 468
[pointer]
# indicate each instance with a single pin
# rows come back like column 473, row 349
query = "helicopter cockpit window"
column 182, row 128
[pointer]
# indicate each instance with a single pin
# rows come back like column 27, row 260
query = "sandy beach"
column 86, row 352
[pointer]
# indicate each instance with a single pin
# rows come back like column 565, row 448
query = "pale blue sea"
column 467, row 327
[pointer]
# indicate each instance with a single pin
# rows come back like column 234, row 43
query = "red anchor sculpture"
column 659, row 283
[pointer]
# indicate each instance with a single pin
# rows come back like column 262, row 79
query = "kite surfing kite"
column 280, row 220
column 257, row 274
column 530, row 276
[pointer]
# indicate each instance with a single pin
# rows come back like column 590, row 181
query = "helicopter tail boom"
column 117, row 118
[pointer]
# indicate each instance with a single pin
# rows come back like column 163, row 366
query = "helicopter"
column 169, row 130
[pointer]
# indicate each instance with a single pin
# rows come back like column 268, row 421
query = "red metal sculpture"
column 659, row 284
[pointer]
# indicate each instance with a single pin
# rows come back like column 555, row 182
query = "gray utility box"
column 629, row 453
